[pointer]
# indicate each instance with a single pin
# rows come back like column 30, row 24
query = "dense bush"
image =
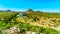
column 8, row 17
column 26, row 27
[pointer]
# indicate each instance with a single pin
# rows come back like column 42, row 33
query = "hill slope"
column 40, row 22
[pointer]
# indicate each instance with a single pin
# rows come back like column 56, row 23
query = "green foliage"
column 24, row 27
column 44, row 14
column 9, row 16
column 0, row 32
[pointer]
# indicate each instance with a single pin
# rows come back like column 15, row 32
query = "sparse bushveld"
column 32, row 22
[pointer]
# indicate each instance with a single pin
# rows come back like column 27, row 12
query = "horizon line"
column 23, row 10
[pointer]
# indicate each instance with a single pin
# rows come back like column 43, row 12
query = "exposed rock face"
column 12, row 30
column 29, row 32
column 33, row 32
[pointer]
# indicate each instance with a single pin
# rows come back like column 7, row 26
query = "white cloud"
column 49, row 10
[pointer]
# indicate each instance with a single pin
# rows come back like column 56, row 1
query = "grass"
column 7, row 23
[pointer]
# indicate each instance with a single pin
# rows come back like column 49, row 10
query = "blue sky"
column 22, row 5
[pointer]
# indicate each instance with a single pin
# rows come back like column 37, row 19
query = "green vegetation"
column 26, row 27
column 31, row 21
